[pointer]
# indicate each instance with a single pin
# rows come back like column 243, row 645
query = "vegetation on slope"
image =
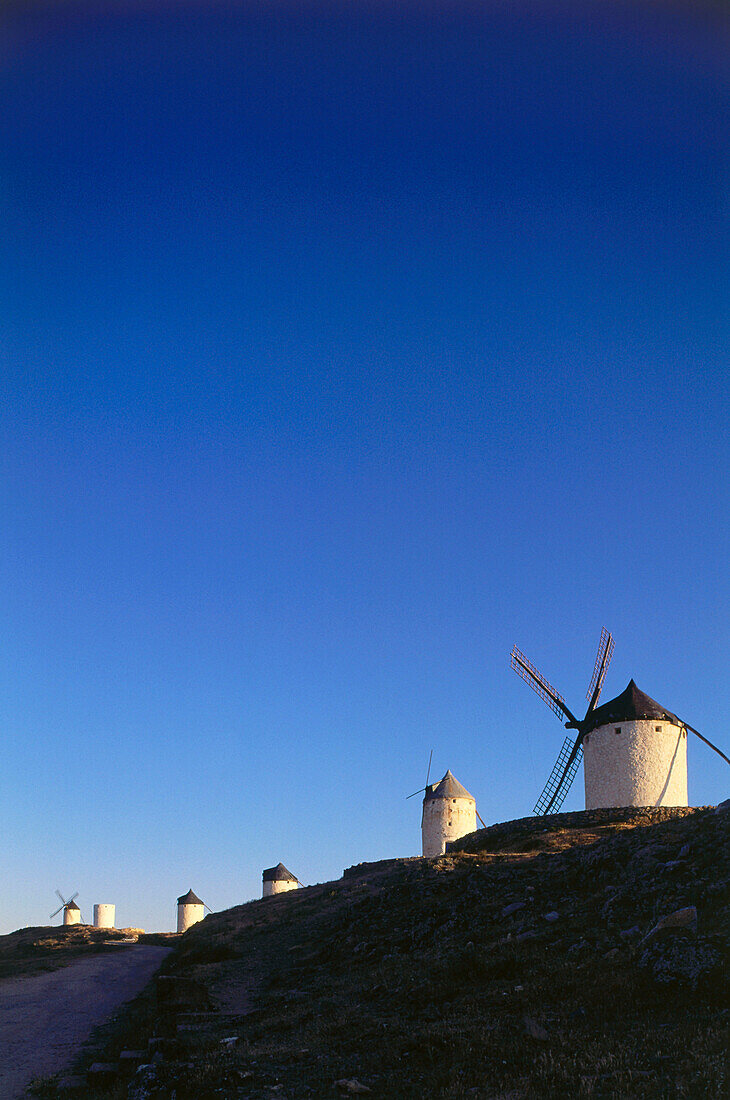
column 34, row 950
column 522, row 966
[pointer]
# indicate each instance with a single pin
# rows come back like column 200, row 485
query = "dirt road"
column 45, row 1019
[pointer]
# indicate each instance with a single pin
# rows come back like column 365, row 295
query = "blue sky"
column 344, row 345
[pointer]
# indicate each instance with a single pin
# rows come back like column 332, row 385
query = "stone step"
column 102, row 1073
column 71, row 1085
column 129, row 1060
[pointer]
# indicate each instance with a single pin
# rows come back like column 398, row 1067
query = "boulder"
column 679, row 961
column 681, row 920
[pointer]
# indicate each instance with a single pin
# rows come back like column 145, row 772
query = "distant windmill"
column 631, row 761
column 71, row 911
column 449, row 812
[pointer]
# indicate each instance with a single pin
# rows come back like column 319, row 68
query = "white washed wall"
column 444, row 820
column 189, row 914
column 278, row 886
column 104, row 916
column 639, row 766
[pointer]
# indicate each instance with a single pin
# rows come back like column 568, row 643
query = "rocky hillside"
column 583, row 955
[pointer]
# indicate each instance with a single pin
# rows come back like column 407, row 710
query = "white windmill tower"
column 71, row 911
column 190, row 910
column 104, row 915
column 277, row 880
column 449, row 812
column 633, row 749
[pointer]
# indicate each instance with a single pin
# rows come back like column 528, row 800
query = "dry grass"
column 35, row 950
column 410, row 979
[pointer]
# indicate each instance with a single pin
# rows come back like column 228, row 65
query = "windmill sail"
column 65, row 902
column 540, row 685
column 603, row 660
column 698, row 734
column 561, row 778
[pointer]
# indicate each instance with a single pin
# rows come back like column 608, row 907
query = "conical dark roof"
column 279, row 874
column 449, row 787
column 190, row 899
column 71, row 905
column 630, row 705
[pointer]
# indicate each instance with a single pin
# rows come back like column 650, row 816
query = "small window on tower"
column 657, row 729
column 617, row 729
column 585, row 739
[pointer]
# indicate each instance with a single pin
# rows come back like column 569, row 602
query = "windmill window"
column 617, row 729
column 657, row 729
column 585, row 739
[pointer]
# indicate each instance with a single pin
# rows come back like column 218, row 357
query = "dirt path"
column 45, row 1019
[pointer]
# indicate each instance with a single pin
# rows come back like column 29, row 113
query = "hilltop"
column 38, row 949
column 584, row 954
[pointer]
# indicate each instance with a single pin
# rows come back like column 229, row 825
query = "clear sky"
column 344, row 345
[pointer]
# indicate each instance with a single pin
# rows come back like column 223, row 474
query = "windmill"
column 637, row 712
column 69, row 907
column 449, row 812
column 569, row 758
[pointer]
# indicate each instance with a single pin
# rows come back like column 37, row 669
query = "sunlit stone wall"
column 444, row 820
column 104, row 916
column 643, row 764
column 279, row 886
column 189, row 914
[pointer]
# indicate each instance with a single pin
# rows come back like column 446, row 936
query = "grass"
column 409, row 977
column 35, row 950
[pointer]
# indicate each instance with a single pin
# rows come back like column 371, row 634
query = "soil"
column 582, row 955
column 45, row 1018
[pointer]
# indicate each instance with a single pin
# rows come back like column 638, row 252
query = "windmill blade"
column 540, row 685
column 428, row 776
column 57, row 911
column 603, row 660
column 561, row 778
column 60, row 897
column 422, row 789
column 698, row 734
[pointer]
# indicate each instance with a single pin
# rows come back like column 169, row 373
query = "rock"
column 633, row 933
column 683, row 852
column 513, row 907
column 129, row 1060
column 552, row 917
column 101, row 1073
column 72, row 1085
column 352, row 1086
column 681, row 920
column 529, row 935
column 535, row 1030
column 229, row 1042
column 144, row 1084
column 723, row 807
column 679, row 961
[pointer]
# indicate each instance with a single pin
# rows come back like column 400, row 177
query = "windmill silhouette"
column 66, row 904
column 569, row 758
column 565, row 767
